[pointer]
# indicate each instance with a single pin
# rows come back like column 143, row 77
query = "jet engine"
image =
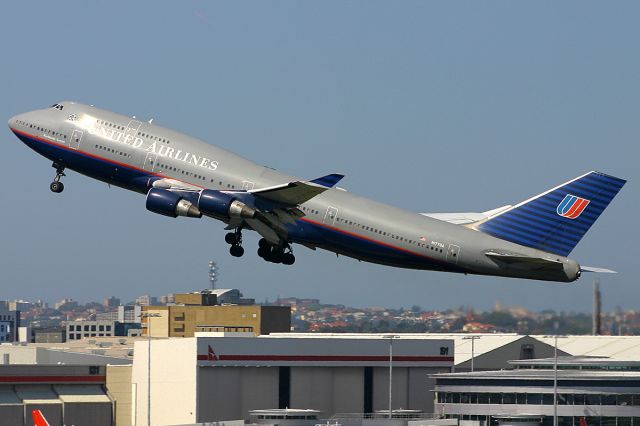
column 223, row 206
column 170, row 204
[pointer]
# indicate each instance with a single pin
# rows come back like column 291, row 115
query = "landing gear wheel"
column 236, row 251
column 231, row 238
column 263, row 252
column 263, row 244
column 56, row 187
column 288, row 259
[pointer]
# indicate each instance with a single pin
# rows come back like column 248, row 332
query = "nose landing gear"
column 235, row 240
column 57, row 186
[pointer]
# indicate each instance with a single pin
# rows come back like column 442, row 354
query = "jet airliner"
column 183, row 176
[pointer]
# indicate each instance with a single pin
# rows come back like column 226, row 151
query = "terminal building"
column 590, row 391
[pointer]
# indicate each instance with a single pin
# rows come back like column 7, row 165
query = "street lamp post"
column 149, row 315
column 555, row 377
column 473, row 341
column 390, row 337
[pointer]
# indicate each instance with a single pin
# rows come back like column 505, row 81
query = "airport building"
column 66, row 395
column 591, row 391
column 223, row 376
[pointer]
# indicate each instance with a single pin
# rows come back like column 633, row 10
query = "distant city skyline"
column 430, row 106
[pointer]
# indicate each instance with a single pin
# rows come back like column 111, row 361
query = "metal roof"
column 544, row 375
column 615, row 347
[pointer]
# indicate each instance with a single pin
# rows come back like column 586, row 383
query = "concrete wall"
column 173, row 381
column 328, row 389
column 228, row 393
column 119, row 389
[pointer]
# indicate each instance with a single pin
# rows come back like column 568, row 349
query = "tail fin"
column 556, row 220
column 38, row 418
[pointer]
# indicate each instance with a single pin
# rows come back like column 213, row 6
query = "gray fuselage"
column 133, row 154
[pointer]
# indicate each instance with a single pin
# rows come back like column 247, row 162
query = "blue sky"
column 432, row 106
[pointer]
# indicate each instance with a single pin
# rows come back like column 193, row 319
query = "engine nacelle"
column 223, row 206
column 170, row 204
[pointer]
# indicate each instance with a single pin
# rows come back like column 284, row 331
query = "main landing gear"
column 235, row 240
column 276, row 254
column 57, row 186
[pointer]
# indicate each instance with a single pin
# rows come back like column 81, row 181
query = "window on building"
column 592, row 400
column 534, row 398
column 508, row 398
column 527, row 351
column 624, row 400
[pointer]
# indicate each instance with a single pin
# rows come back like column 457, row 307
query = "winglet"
column 329, row 180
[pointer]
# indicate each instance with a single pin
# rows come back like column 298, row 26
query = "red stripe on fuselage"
column 371, row 240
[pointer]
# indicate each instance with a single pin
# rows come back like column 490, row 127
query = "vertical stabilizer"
column 557, row 219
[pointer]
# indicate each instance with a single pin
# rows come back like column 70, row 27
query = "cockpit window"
column 57, row 106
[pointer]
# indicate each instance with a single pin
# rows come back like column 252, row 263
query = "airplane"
column 186, row 177
column 38, row 418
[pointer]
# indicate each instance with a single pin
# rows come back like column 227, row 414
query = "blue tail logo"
column 572, row 206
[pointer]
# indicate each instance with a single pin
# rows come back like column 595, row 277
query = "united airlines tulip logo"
column 572, row 207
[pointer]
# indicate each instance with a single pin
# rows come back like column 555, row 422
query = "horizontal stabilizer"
column 533, row 262
column 465, row 218
column 598, row 270
column 298, row 192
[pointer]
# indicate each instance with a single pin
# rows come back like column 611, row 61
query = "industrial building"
column 184, row 320
column 486, row 351
column 591, row 391
column 66, row 395
column 222, row 376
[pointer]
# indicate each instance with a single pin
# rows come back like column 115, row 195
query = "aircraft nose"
column 12, row 121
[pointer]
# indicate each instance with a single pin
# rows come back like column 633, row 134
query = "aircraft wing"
column 298, row 192
column 465, row 218
column 284, row 201
column 525, row 261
